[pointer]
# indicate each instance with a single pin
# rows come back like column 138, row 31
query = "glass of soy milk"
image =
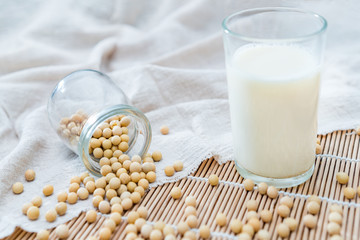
column 273, row 60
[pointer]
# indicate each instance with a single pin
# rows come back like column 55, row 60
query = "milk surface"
column 273, row 95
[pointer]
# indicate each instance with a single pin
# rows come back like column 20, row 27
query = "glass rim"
column 227, row 30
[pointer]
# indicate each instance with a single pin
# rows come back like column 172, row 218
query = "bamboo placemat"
column 340, row 151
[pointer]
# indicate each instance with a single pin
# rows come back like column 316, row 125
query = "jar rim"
column 97, row 118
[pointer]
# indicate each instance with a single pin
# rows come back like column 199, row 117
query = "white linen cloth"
column 168, row 58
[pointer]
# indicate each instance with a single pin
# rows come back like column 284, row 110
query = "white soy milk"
column 273, row 94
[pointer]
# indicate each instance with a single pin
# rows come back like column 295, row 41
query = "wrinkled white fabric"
column 168, row 58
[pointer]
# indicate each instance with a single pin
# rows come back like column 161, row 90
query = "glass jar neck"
column 139, row 134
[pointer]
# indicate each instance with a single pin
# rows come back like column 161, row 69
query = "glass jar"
column 84, row 100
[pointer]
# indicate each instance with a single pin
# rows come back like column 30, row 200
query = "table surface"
column 230, row 197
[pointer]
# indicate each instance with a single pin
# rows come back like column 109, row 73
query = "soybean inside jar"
column 94, row 118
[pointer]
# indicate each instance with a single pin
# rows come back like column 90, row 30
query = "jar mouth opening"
column 139, row 134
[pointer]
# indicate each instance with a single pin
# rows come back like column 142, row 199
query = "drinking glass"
column 273, row 60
